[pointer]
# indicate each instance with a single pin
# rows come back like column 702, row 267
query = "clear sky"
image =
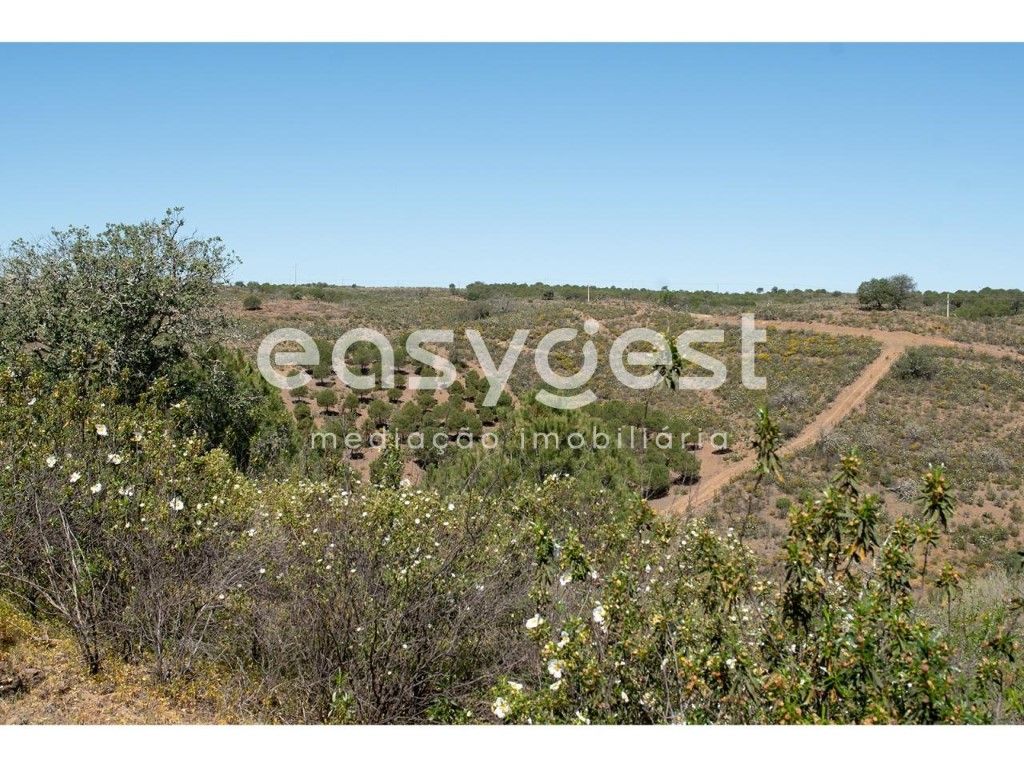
column 691, row 166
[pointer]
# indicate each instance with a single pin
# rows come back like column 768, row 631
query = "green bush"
column 916, row 363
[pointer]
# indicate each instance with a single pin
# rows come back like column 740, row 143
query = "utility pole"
column 947, row 306
column 588, row 294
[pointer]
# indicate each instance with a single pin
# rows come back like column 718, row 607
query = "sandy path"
column 894, row 344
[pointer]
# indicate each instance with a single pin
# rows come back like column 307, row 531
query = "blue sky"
column 691, row 166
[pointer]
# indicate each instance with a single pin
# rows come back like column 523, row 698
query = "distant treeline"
column 477, row 291
column 972, row 305
column 976, row 305
column 318, row 291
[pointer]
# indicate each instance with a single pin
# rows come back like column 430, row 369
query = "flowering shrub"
column 561, row 600
column 128, row 533
column 682, row 629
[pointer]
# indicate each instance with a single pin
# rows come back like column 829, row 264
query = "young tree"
column 766, row 443
column 387, row 468
column 409, row 418
column 379, row 413
column 326, row 399
column 937, row 507
column 322, row 371
column 351, row 403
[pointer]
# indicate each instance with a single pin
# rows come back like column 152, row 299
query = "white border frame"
column 513, row 21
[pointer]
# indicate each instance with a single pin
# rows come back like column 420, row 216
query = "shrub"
column 916, row 363
column 129, row 535
column 252, row 302
column 386, row 470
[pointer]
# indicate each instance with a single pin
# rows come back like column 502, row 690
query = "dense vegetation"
column 155, row 503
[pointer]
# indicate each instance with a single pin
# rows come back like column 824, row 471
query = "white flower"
column 730, row 663
column 32, row 401
column 555, row 685
column 500, row 708
column 114, row 458
column 515, row 686
column 126, row 490
column 565, row 578
column 625, row 697
column 582, row 718
column 101, row 430
column 535, row 621
column 262, row 571
column 75, row 477
column 176, row 504
column 599, row 614
column 51, row 461
column 451, row 507
column 97, row 488
column 563, row 640
column 555, row 668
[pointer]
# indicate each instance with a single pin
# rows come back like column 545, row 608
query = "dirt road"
column 894, row 344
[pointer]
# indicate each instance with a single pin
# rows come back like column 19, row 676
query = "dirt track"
column 894, row 343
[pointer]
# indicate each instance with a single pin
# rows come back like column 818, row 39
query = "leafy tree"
column 322, row 371
column 901, row 288
column 409, row 418
column 326, row 399
column 351, row 403
column 122, row 305
column 874, row 293
column 217, row 394
column 379, row 412
column 881, row 292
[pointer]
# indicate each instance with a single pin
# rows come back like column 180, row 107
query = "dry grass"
column 65, row 693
